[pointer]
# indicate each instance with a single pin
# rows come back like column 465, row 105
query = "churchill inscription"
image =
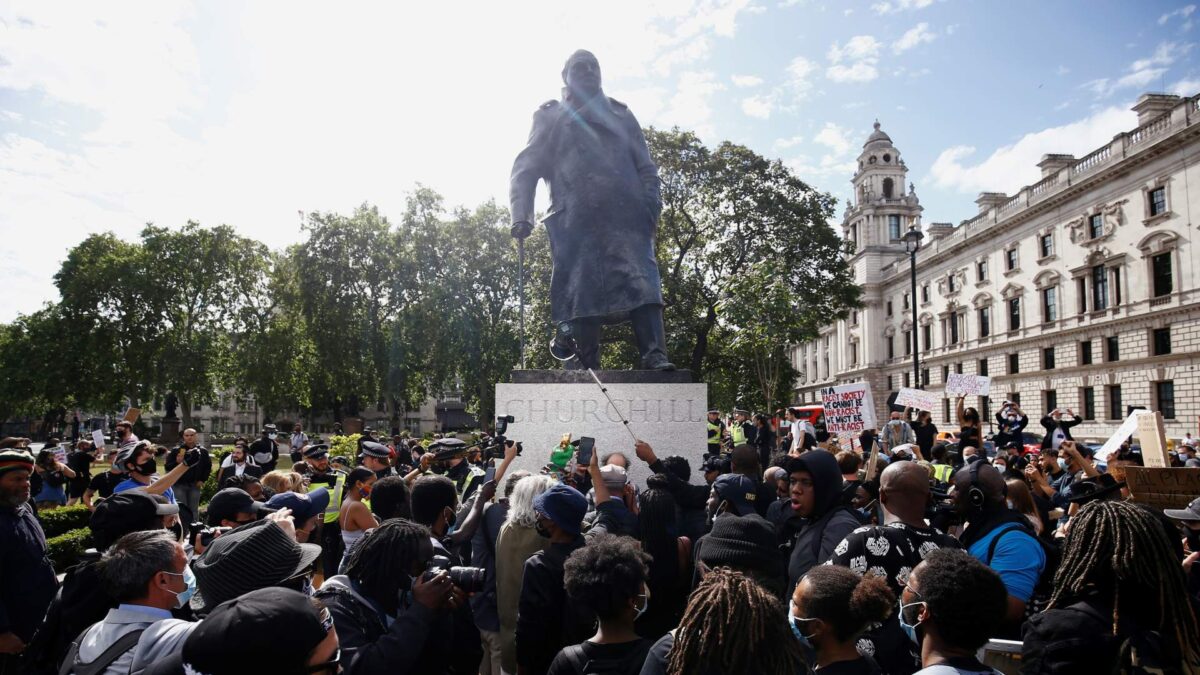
column 599, row 411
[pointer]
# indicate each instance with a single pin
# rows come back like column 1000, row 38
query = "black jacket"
column 196, row 474
column 1051, row 425
column 546, row 620
column 27, row 581
column 1079, row 639
column 260, row 448
column 830, row 521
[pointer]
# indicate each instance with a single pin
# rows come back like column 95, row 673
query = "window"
column 1050, row 304
column 1163, row 279
column 945, row 373
column 1116, row 285
column 889, row 307
column 1010, row 259
column 925, row 377
column 1095, row 226
column 1088, row 396
column 1085, row 353
column 908, row 340
column 1112, row 349
column 891, row 382
column 1099, row 288
column 1014, row 313
column 891, row 347
column 854, row 353
column 1048, row 360
column 927, row 336
column 907, row 380
column 1081, row 294
column 985, row 407
column 952, row 283
column 1050, row 399
column 906, row 301
column 1158, row 201
column 958, row 368
column 946, row 410
column 1014, row 364
column 981, row 270
column 1164, row 396
column 1047, row 243
column 854, row 234
column 985, row 321
column 1114, row 402
column 1015, row 397
column 954, row 328
column 983, row 367
column 854, row 318
column 894, row 227
column 887, row 186
column 1161, row 337
column 925, row 293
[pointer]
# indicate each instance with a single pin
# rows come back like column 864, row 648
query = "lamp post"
column 912, row 244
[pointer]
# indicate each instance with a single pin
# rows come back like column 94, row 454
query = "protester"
column 27, row 581
column 950, row 607
column 731, row 626
column 816, row 483
column 257, row 555
column 849, row 463
column 391, row 498
column 279, row 481
column 187, row 488
column 54, row 475
column 264, row 450
column 546, row 622
column 105, row 483
column 124, row 432
column 483, row 556
column 898, row 431
column 970, row 431
column 519, row 539
column 233, row 507
column 614, row 498
column 830, row 608
column 1010, row 424
column 1020, row 499
column 297, row 443
column 1058, row 429
column 390, row 617
column 80, row 461
column 147, row 573
column 926, row 432
column 764, row 439
column 1120, row 599
column 670, row 573
column 239, row 463
column 306, row 509
column 354, row 517
column 691, row 499
column 141, row 470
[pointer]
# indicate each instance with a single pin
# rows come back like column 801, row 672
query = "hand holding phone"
column 585, row 450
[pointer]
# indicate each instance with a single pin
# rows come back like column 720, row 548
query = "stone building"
column 1080, row 291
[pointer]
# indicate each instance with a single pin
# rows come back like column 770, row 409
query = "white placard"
column 919, row 399
column 848, row 407
column 968, row 385
column 98, row 438
column 1123, row 432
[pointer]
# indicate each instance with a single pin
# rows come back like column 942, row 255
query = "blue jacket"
column 27, row 581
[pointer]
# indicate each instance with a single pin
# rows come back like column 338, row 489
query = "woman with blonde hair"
column 284, row 481
column 518, row 540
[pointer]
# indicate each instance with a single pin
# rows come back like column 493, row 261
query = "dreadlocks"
column 385, row 556
column 732, row 624
column 1121, row 549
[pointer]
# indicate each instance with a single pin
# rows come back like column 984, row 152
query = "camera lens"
column 470, row 579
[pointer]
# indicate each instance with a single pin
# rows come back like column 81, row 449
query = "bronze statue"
column 604, row 208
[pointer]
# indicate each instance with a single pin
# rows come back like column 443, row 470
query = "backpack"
column 1044, row 587
column 71, row 664
column 630, row 664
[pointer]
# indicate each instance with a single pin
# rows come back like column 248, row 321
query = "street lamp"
column 912, row 244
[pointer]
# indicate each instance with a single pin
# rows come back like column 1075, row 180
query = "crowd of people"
column 785, row 552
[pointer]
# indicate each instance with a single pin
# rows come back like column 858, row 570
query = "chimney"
column 1051, row 164
column 987, row 200
column 1150, row 106
column 938, row 230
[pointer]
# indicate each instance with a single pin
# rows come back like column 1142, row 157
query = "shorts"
column 51, row 494
column 77, row 486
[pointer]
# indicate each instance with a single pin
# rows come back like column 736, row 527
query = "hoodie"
column 830, row 521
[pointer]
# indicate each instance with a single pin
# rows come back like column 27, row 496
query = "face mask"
column 542, row 531
column 1000, row 467
column 910, row 629
column 1010, row 504
column 804, row 641
column 645, row 605
column 1062, row 463
column 271, row 436
column 148, row 467
column 365, row 491
column 1193, row 540
column 189, row 580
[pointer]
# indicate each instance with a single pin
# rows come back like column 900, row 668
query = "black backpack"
column 630, row 664
column 72, row 666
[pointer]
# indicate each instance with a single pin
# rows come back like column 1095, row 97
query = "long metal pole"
column 613, row 404
column 912, row 267
column 521, row 295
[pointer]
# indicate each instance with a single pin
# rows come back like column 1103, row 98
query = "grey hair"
column 520, row 503
column 132, row 561
column 510, row 483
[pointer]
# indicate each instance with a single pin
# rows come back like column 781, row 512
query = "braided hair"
column 383, row 558
column 732, row 624
column 1122, row 550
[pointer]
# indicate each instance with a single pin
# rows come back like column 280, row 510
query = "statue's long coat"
column 604, row 207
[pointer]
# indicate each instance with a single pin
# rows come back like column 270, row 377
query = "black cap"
column 125, row 512
column 316, row 451
column 228, row 503
column 1095, row 488
column 264, row 631
column 447, row 448
column 377, row 450
column 738, row 491
column 743, row 543
column 251, row 557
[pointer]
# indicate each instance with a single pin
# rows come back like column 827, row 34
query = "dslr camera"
column 207, row 534
column 495, row 447
column 941, row 512
column 469, row 579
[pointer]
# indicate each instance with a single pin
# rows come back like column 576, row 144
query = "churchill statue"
column 604, row 207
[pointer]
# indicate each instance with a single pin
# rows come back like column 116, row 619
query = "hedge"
column 64, row 519
column 66, row 549
column 345, row 446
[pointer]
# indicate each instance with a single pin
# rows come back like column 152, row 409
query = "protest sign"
column 848, row 407
column 60, row 454
column 1163, row 488
column 1114, row 442
column 919, row 399
column 1152, row 435
column 132, row 414
column 958, row 384
column 98, row 438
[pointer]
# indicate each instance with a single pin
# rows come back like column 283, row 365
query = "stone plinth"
column 667, row 410
column 170, row 431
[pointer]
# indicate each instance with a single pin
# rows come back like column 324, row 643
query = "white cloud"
column 759, row 106
column 834, row 137
column 951, row 29
column 1183, row 12
column 854, row 62
column 893, row 6
column 857, row 48
column 861, row 71
column 1062, row 70
column 1062, row 106
column 746, row 80
column 786, row 143
column 1186, row 87
column 1142, row 72
column 847, row 12
column 917, row 35
column 689, row 107
column 1012, row 166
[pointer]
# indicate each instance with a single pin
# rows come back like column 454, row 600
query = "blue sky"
column 117, row 114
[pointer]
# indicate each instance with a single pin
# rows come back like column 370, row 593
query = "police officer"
column 743, row 431
column 449, row 460
column 716, row 433
column 375, row 457
column 320, row 471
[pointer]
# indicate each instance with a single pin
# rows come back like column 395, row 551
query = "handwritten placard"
column 98, row 438
column 1114, row 442
column 60, row 454
column 848, row 407
column 958, row 384
column 1159, row 488
column 919, row 399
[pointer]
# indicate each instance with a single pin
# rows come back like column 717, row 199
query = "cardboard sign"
column 873, row 463
column 60, row 455
column 968, row 385
column 1153, row 437
column 1163, row 488
column 919, row 399
column 132, row 415
column 98, row 438
column 1114, row 442
column 848, row 407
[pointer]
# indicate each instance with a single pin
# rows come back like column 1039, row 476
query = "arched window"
column 887, row 188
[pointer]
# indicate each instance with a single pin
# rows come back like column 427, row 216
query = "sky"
column 117, row 114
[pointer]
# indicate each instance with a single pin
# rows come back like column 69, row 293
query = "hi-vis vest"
column 714, row 433
column 335, row 499
column 942, row 472
column 738, row 434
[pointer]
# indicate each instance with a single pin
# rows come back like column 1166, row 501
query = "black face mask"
column 542, row 531
column 1193, row 539
column 148, row 467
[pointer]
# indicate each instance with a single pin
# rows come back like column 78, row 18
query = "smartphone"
column 490, row 474
column 585, row 450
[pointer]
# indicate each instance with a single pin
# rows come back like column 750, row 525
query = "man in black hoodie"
column 816, row 489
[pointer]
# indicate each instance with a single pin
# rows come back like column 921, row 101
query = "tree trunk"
column 185, row 404
column 701, row 348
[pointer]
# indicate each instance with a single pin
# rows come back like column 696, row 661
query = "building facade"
column 1080, row 291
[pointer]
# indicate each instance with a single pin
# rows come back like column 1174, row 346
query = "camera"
column 941, row 512
column 495, row 447
column 469, row 579
column 207, row 534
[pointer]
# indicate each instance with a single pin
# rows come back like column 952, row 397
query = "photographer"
column 389, row 618
column 189, row 485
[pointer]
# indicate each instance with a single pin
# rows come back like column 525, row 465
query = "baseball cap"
column 615, row 477
column 738, row 491
column 303, row 506
column 564, row 505
column 373, row 449
column 232, row 637
column 228, row 503
column 253, row 556
column 1191, row 513
column 125, row 512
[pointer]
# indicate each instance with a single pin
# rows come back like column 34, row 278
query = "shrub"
column 345, row 446
column 66, row 549
column 64, row 519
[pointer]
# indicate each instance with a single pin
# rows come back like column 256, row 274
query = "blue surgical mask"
column 910, row 629
column 1062, row 463
column 189, row 580
column 805, row 640
column 645, row 605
